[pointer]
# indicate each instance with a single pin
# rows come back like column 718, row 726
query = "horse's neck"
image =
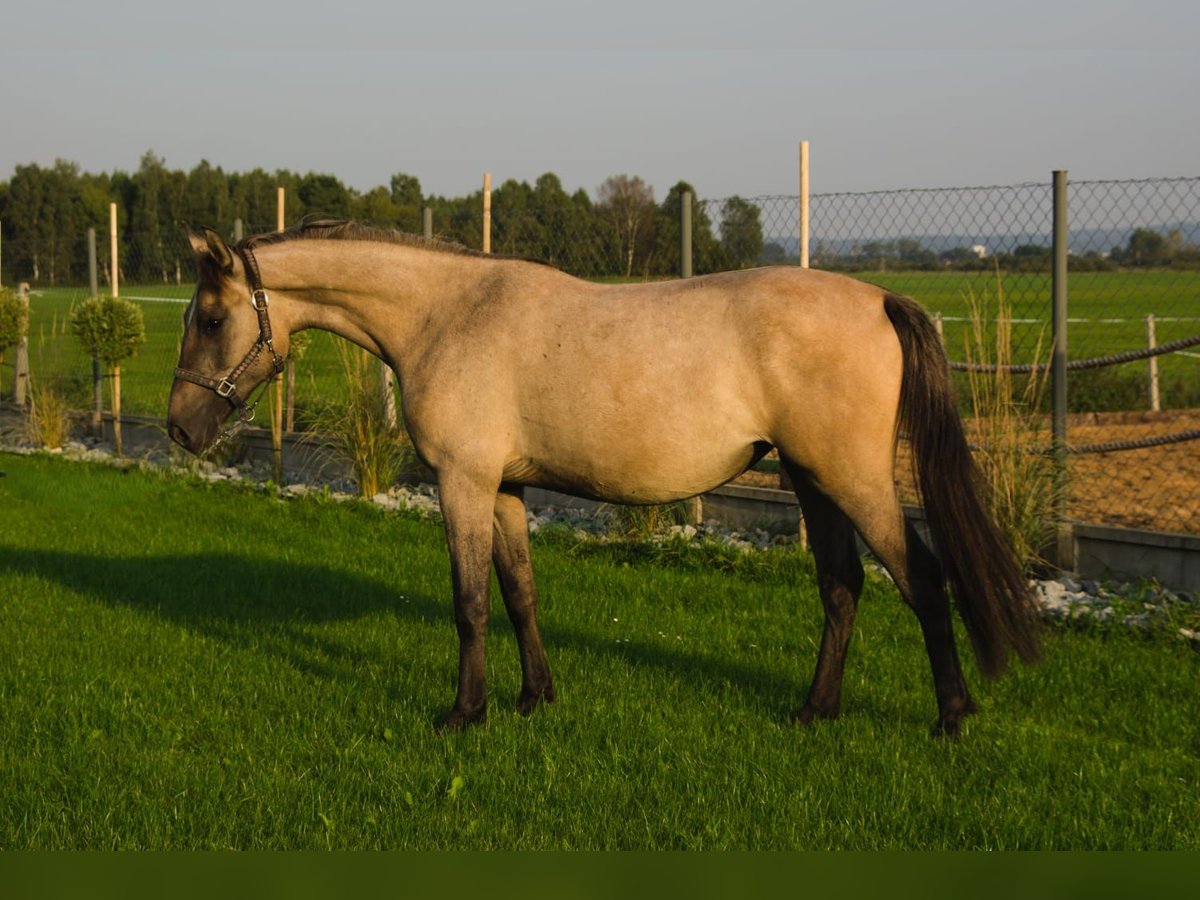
column 376, row 295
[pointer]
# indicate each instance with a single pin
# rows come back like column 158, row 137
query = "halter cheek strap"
column 226, row 387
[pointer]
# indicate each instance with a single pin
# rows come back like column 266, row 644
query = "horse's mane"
column 320, row 229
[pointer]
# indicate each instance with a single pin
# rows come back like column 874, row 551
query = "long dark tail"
column 991, row 592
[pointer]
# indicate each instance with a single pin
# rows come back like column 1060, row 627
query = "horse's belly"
column 619, row 478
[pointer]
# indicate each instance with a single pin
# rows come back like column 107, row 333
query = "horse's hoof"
column 457, row 720
column 531, row 700
column 949, row 724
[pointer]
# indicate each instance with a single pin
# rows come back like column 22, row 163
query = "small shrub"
column 14, row 320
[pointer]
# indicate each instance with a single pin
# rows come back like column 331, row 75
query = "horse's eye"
column 211, row 326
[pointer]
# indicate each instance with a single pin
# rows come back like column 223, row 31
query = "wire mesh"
column 1134, row 282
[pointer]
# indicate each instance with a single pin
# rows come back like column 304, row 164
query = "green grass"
column 1096, row 298
column 189, row 666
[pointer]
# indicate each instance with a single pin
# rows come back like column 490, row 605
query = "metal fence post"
column 693, row 509
column 685, row 234
column 1058, row 366
column 97, row 374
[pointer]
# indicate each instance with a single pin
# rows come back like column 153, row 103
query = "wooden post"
column 804, row 204
column 427, row 222
column 237, row 230
column 21, row 372
column 939, row 326
column 116, row 406
column 277, row 387
column 785, row 483
column 112, row 232
column 1151, row 343
column 487, row 212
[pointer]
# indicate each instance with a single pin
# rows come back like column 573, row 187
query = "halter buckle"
column 254, row 299
column 225, row 388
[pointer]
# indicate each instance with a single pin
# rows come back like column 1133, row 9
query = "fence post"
column 685, row 234
column 693, row 509
column 427, row 222
column 1058, row 367
column 277, row 387
column 97, row 374
column 804, row 223
column 21, row 369
column 237, row 230
column 112, row 233
column 487, row 212
column 1151, row 343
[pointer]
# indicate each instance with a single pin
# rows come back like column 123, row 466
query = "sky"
column 924, row 93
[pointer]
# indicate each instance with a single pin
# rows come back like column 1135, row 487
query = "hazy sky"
column 924, row 93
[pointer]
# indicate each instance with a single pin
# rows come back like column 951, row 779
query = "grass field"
column 1109, row 309
column 192, row 666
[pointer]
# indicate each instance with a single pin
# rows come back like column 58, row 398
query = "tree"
column 707, row 255
column 626, row 205
column 408, row 201
column 110, row 329
column 325, row 195
column 741, row 232
column 14, row 320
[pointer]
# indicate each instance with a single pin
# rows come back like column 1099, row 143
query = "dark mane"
column 316, row 229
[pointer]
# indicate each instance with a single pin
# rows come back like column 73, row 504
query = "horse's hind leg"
column 510, row 554
column 840, row 577
column 918, row 576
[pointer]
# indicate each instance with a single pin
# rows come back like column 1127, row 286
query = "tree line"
column 622, row 232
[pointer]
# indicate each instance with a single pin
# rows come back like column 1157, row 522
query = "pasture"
column 188, row 666
column 1110, row 309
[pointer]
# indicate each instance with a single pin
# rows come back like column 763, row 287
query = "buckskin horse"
column 513, row 374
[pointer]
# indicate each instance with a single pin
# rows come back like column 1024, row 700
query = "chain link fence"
column 1133, row 276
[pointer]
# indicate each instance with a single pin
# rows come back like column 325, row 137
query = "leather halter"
column 226, row 388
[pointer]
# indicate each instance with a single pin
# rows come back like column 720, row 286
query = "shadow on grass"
column 267, row 605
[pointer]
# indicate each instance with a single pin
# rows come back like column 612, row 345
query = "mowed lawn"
column 190, row 666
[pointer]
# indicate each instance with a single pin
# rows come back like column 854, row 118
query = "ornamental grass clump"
column 110, row 329
column 1020, row 475
column 359, row 432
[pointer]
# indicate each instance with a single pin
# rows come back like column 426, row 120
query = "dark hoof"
column 950, row 725
column 457, row 720
column 531, row 700
column 809, row 714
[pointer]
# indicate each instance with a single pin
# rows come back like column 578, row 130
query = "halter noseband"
column 226, row 388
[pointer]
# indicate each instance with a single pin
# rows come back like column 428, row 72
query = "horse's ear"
column 208, row 243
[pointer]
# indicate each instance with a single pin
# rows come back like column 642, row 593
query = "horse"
column 514, row 374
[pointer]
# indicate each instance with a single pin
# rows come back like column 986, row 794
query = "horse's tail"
column 992, row 594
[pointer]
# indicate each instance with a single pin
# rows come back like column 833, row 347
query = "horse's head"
column 228, row 346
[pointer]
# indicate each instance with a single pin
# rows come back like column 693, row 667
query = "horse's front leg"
column 467, row 507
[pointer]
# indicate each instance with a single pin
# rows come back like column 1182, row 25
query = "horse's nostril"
column 179, row 435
